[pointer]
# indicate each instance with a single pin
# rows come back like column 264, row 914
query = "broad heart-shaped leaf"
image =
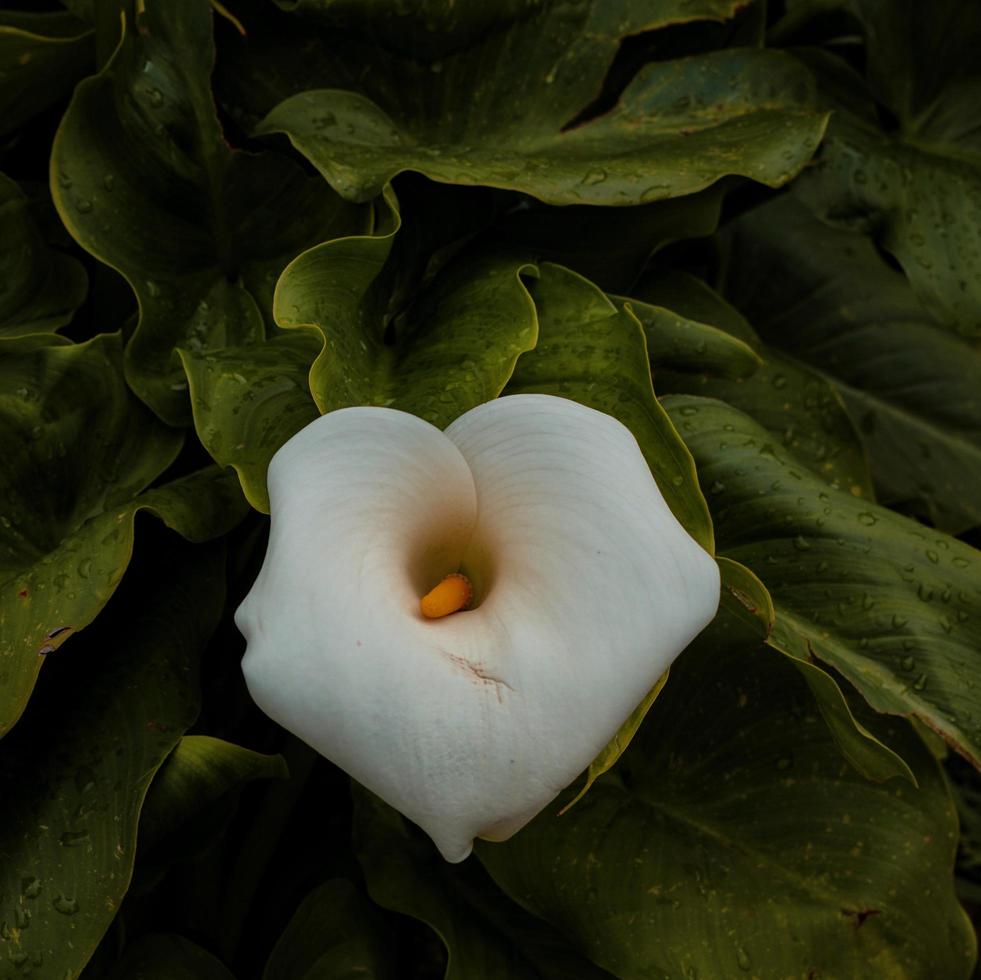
column 731, row 840
column 74, row 774
column 42, row 56
column 40, row 287
column 249, row 400
column 798, row 407
column 825, row 297
column 79, row 449
column 196, row 775
column 335, row 934
column 594, row 353
column 917, row 187
column 924, row 205
column 891, row 604
column 48, row 599
column 486, row 936
column 452, row 349
column 496, row 96
column 164, row 956
column 747, row 610
column 144, row 180
column 678, row 343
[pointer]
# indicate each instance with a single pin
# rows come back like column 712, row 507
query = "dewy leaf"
column 42, row 56
column 493, row 96
column 79, row 449
column 826, row 298
column 40, row 287
column 799, row 408
column 917, row 187
column 144, row 180
column 335, row 934
column 249, row 400
column 486, row 937
column 678, row 343
column 453, row 348
column 747, row 603
column 892, row 605
column 592, row 352
column 732, row 841
column 74, row 774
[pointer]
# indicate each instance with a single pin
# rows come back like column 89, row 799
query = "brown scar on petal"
column 476, row 672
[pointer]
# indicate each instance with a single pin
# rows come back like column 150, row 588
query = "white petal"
column 588, row 588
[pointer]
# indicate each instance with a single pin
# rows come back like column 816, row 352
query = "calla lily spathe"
column 585, row 589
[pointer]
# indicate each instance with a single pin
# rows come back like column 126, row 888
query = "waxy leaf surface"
column 826, row 298
column 40, row 287
column 494, row 96
column 80, row 449
column 732, row 840
column 892, row 605
column 74, row 774
column 144, row 180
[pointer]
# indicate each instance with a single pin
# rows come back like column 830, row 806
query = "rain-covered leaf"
column 731, row 840
column 916, row 185
column 892, row 605
column 826, row 297
column 493, row 95
column 42, row 56
column 74, row 774
column 746, row 612
column 144, row 180
column 335, row 934
column 486, row 937
column 800, row 409
column 79, row 450
column 40, row 287
column 678, row 343
column 593, row 352
column 162, row 956
column 453, row 348
column 249, row 400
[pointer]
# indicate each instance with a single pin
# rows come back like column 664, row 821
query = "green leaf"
column 144, row 180
column 42, row 56
column 249, row 400
column 747, row 609
column 197, row 775
column 486, row 937
column 74, row 773
column 452, row 349
column 731, row 841
column 917, row 186
column 594, row 353
column 40, row 288
column 335, row 934
column 923, row 204
column 826, row 298
column 168, row 957
column 800, row 409
column 678, row 343
column 892, row 605
column 79, row 449
column 497, row 95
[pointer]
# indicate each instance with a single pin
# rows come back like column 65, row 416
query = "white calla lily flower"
column 585, row 588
